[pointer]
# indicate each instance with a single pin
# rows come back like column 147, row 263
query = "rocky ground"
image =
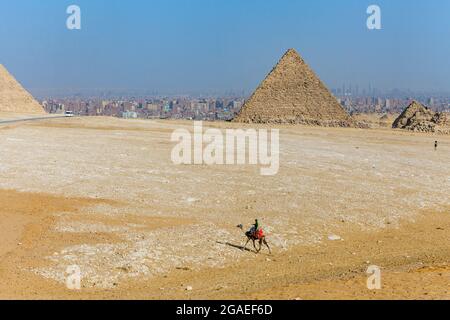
column 103, row 194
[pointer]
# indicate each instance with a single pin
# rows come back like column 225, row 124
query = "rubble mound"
column 293, row 94
column 417, row 117
column 14, row 98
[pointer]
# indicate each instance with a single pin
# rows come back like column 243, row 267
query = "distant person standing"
column 435, row 145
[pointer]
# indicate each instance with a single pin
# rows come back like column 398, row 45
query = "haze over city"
column 219, row 47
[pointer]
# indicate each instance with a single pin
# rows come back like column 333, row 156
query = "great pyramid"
column 417, row 117
column 293, row 94
column 14, row 98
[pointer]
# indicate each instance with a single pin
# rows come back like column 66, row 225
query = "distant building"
column 199, row 107
column 129, row 115
column 152, row 107
column 219, row 104
column 237, row 104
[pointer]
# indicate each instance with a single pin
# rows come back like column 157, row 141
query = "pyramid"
column 14, row 98
column 293, row 94
column 417, row 117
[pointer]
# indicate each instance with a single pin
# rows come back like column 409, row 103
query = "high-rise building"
column 219, row 104
column 387, row 104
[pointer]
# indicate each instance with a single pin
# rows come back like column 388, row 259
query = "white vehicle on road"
column 68, row 114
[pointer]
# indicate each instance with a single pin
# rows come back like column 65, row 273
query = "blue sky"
column 180, row 46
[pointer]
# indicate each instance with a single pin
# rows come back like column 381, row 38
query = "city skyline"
column 198, row 47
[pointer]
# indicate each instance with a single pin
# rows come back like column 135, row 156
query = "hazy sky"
column 221, row 45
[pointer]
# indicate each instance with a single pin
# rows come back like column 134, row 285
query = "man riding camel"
column 255, row 229
column 256, row 235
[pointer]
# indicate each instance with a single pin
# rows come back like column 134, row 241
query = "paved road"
column 29, row 119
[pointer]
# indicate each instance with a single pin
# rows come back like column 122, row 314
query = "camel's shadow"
column 235, row 246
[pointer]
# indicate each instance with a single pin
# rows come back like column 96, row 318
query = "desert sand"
column 103, row 194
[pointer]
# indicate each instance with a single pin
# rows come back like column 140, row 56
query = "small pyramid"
column 415, row 117
column 14, row 98
column 414, row 111
column 293, row 94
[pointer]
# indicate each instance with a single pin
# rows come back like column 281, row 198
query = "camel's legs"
column 267, row 245
column 245, row 247
column 254, row 246
column 259, row 250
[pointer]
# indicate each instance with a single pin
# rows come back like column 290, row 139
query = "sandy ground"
column 103, row 194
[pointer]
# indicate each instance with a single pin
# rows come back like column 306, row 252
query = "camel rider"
column 255, row 227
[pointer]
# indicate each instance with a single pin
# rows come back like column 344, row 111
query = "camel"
column 251, row 237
